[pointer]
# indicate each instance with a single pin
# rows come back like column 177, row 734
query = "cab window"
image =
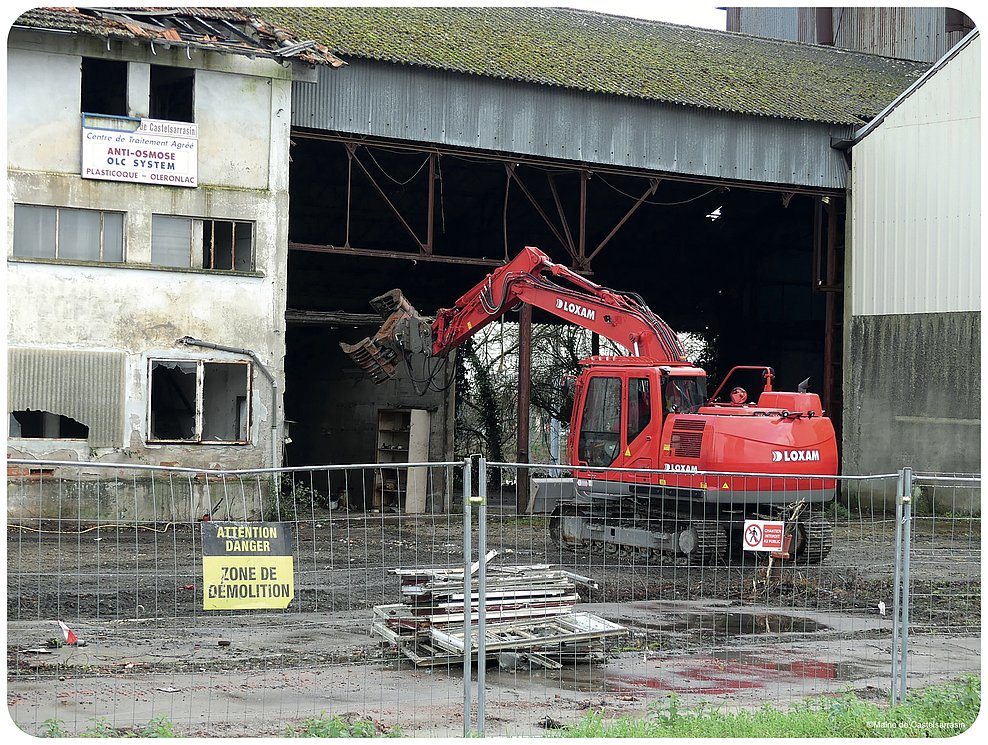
column 684, row 395
column 639, row 407
column 600, row 423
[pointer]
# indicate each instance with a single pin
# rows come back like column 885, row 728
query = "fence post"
column 907, row 513
column 900, row 613
column 481, row 590
column 467, row 593
column 896, row 595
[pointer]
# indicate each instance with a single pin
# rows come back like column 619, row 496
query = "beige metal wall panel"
column 84, row 385
column 916, row 199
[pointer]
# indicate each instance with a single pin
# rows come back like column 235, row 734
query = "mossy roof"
column 586, row 51
column 607, row 54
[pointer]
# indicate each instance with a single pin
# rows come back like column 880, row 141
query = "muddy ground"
column 721, row 634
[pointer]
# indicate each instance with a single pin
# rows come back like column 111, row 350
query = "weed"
column 52, row 728
column 157, row 727
column 337, row 726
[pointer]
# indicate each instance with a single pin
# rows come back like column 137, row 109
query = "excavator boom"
column 531, row 277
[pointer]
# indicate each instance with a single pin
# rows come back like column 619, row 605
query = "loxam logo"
column 576, row 310
column 680, row 467
column 791, row 456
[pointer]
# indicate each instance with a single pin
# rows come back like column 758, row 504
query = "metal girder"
column 424, row 246
column 382, row 254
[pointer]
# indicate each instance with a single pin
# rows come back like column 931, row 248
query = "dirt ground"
column 721, row 634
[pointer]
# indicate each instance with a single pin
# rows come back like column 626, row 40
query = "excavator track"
column 698, row 541
column 815, row 540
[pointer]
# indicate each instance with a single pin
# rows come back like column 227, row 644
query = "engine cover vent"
column 687, row 438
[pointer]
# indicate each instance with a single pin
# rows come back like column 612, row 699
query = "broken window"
column 46, row 425
column 172, row 93
column 64, row 233
column 104, row 86
column 199, row 401
column 207, row 244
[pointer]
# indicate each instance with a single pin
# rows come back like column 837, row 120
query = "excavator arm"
column 531, row 277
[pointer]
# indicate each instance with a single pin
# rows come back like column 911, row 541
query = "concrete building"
column 147, row 195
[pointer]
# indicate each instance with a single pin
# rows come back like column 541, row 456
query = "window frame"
column 59, row 210
column 108, row 85
column 199, row 414
column 199, row 248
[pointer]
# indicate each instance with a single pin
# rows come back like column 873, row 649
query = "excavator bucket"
column 391, row 302
column 403, row 330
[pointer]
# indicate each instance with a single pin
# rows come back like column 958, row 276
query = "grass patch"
column 938, row 711
column 337, row 726
column 157, row 727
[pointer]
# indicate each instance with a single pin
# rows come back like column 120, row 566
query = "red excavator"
column 658, row 467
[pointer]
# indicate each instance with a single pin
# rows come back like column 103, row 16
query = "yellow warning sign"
column 725, row 486
column 247, row 565
column 627, row 452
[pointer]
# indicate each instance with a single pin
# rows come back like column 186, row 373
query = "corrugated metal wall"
column 83, row 385
column 905, row 33
column 916, row 199
column 435, row 107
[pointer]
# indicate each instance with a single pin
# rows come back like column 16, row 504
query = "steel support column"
column 524, row 401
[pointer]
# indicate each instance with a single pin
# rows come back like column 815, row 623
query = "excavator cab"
column 620, row 406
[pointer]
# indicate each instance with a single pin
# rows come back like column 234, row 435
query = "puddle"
column 724, row 624
column 714, row 674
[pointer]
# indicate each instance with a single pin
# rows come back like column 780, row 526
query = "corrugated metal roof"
column 229, row 30
column 608, row 54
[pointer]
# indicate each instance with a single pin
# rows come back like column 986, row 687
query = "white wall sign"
column 157, row 152
column 763, row 535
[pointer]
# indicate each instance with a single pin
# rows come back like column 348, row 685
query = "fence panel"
column 944, row 580
column 738, row 630
column 376, row 629
column 116, row 554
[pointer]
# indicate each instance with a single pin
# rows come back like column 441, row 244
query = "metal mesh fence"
column 116, row 555
column 575, row 622
column 943, row 584
column 743, row 629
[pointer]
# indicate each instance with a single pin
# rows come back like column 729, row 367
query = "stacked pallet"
column 529, row 609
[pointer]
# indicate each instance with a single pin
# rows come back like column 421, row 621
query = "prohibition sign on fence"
column 753, row 535
column 763, row 535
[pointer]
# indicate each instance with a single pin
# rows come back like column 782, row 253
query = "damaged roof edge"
column 224, row 30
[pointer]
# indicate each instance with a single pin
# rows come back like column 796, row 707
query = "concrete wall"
column 242, row 111
column 913, row 395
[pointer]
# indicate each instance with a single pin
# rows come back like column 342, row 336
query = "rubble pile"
column 529, row 612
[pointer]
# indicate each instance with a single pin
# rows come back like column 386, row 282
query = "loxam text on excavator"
column 658, row 468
